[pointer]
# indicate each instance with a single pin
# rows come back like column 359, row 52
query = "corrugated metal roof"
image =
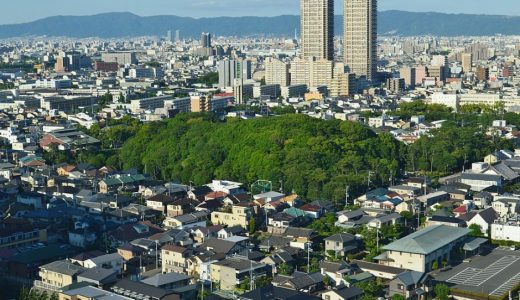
column 427, row 240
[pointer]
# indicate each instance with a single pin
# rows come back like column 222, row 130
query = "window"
column 400, row 286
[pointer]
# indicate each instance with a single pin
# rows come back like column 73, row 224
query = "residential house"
column 187, row 221
column 228, row 187
column 228, row 232
column 56, row 275
column 138, row 290
column 175, row 282
column 269, row 196
column 181, row 207
column 231, row 272
column 227, row 247
column 240, row 215
column 120, row 182
column 204, row 233
column 484, row 218
column 129, row 232
column 299, row 281
column 199, row 193
column 292, row 200
column 236, row 199
column 482, row 199
column 385, row 220
column 410, row 285
column 160, row 202
column 313, row 211
column 506, row 205
column 420, row 250
column 431, row 199
column 89, row 293
column 97, row 276
column 337, row 271
column 129, row 251
column 277, row 223
column 406, row 189
column 341, row 244
column 271, row 292
column 301, row 237
column 112, row 261
column 174, row 258
column 448, row 221
column 278, row 258
column 351, row 293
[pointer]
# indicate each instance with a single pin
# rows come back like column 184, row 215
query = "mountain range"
column 113, row 25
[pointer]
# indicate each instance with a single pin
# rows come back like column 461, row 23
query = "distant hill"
column 129, row 25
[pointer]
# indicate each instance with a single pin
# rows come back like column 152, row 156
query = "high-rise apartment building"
column 467, row 62
column 312, row 72
column 439, row 61
column 342, row 85
column 277, row 72
column 409, row 76
column 205, row 40
column 482, row 74
column 360, row 37
column 317, row 29
column 229, row 70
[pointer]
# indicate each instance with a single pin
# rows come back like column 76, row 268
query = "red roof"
column 460, row 209
column 310, row 207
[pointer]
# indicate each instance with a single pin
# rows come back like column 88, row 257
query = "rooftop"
column 428, row 240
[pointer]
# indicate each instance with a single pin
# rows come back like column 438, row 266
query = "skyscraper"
column 317, row 29
column 177, row 35
column 205, row 40
column 360, row 37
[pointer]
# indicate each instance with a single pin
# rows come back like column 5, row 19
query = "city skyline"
column 34, row 10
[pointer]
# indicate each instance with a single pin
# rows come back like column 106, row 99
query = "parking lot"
column 493, row 274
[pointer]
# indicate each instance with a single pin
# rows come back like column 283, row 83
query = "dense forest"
column 314, row 158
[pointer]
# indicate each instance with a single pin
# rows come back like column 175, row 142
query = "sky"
column 20, row 11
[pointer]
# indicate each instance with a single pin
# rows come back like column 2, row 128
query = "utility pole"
column 377, row 239
column 368, row 181
column 347, row 195
column 156, row 255
column 308, row 257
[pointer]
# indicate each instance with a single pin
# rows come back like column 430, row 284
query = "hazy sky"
column 18, row 11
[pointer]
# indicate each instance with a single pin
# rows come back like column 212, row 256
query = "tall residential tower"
column 317, row 29
column 360, row 37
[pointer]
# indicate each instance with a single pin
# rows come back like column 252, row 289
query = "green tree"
column 252, row 227
column 398, row 297
column 285, row 269
column 326, row 280
column 475, row 230
column 435, row 265
column 441, row 292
